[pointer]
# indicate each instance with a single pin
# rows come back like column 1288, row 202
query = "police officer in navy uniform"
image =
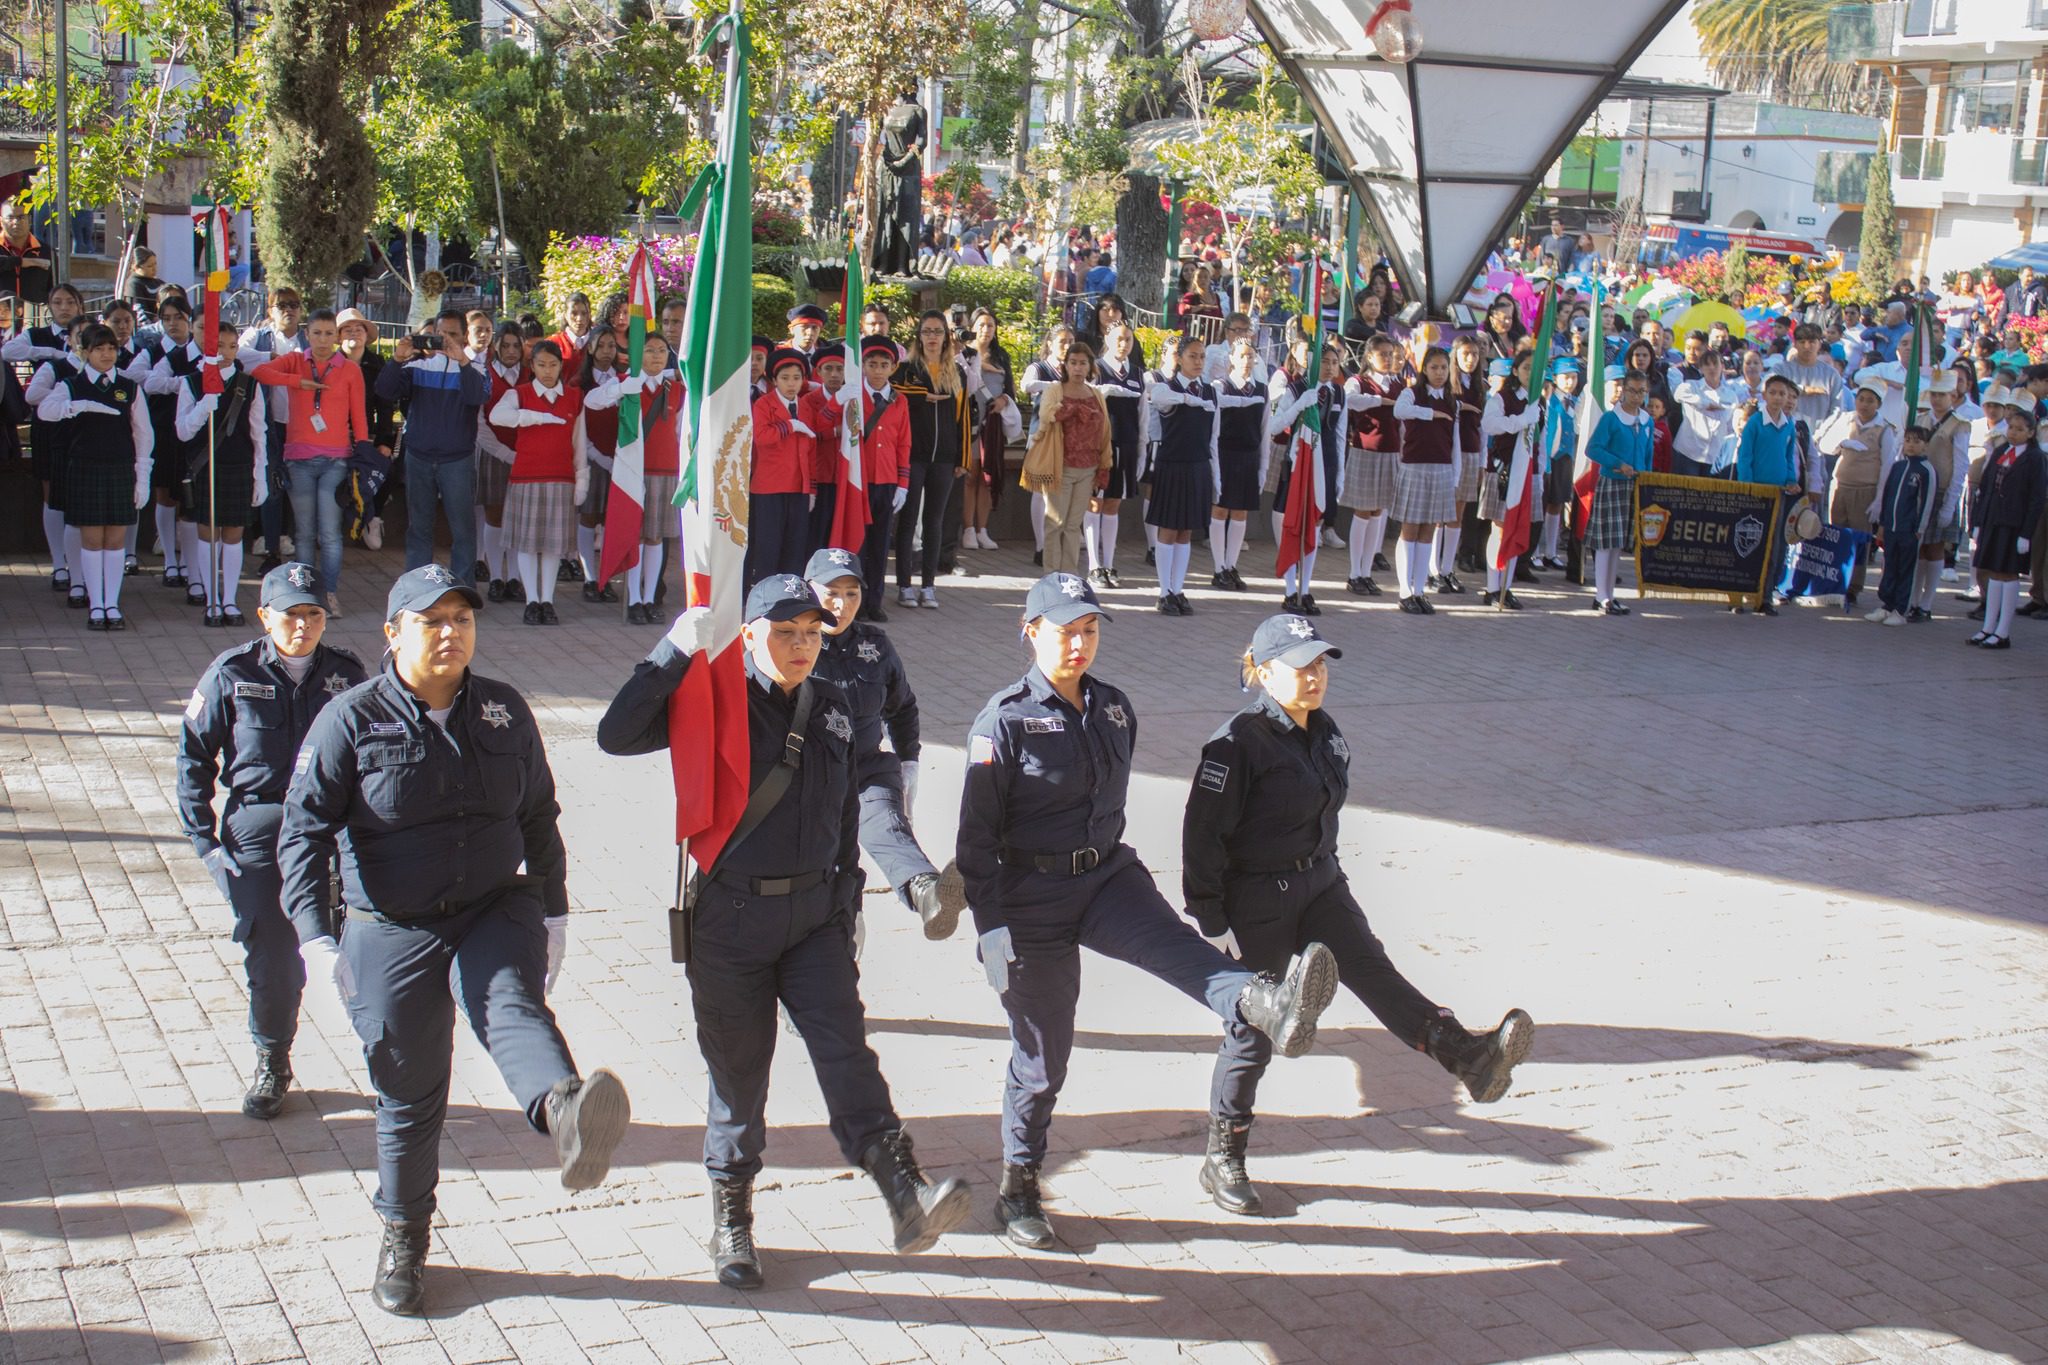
column 861, row 660
column 248, row 715
column 1260, row 875
column 432, row 782
column 773, row 920
column 1047, row 871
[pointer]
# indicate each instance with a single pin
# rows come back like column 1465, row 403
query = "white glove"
column 632, row 384
column 802, row 429
column 1226, row 945
column 2023, row 545
column 259, row 493
column 222, row 865
column 212, row 360
column 558, row 944
column 902, row 495
column 690, row 632
column 78, row 407
column 996, row 957
column 142, row 493
column 582, row 487
column 545, row 419
column 208, row 402
column 324, row 962
column 810, row 502
column 909, row 785
column 1870, row 512
column 1852, row 444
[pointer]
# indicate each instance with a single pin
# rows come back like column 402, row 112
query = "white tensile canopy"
column 1444, row 150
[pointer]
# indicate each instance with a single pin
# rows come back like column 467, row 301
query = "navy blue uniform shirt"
column 868, row 670
column 245, row 723
column 426, row 821
column 815, row 827
column 1042, row 778
column 1267, row 797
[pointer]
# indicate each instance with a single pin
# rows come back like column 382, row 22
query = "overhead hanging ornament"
column 1214, row 20
column 1395, row 34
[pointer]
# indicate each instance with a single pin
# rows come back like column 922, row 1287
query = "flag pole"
column 1315, row 360
column 213, row 550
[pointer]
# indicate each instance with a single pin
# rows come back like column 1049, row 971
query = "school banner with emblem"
column 1704, row 537
column 1823, row 566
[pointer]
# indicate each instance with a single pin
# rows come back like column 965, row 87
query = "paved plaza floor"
column 1774, row 890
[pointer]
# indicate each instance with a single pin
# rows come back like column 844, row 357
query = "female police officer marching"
column 859, row 657
column 438, row 779
column 1047, row 872
column 247, row 717
column 773, row 921
column 1260, row 876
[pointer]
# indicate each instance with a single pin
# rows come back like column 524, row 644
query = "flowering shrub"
column 2033, row 335
column 776, row 227
column 597, row 266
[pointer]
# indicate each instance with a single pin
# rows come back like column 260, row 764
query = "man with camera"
column 442, row 393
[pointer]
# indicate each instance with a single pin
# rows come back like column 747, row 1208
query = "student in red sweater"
column 823, row 409
column 884, row 463
column 659, row 392
column 1426, row 479
column 326, row 417
column 778, row 517
column 504, row 370
column 550, row 475
column 602, row 362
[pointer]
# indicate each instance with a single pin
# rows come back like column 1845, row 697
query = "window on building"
column 1985, row 98
column 1925, row 18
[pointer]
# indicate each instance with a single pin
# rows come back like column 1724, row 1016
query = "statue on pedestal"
column 899, row 203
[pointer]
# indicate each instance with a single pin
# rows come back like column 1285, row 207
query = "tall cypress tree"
column 1879, row 249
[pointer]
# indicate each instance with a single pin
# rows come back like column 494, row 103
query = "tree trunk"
column 1141, row 242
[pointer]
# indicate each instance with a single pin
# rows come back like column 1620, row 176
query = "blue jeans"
column 430, row 484
column 313, row 485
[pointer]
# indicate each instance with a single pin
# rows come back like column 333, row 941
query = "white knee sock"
column 1107, row 534
column 1361, row 554
column 1448, row 539
column 586, row 550
column 1151, row 531
column 1184, row 554
column 483, row 531
column 1279, row 526
column 1308, row 573
column 1038, row 521
column 1493, row 578
column 1091, row 539
column 96, row 589
column 230, row 574
column 1404, row 569
column 1552, row 523
column 1233, row 540
column 1926, row 578
column 650, row 571
column 167, row 538
column 202, row 570
column 111, row 566
column 74, row 555
column 188, row 546
column 1418, row 568
column 128, row 540
column 2008, row 604
column 53, row 532
column 1603, row 574
column 527, row 566
column 1218, row 551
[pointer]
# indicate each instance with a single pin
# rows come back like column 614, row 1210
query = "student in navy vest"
column 102, row 427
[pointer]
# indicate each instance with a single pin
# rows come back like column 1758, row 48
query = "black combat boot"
column 401, row 1268
column 273, row 1077
column 1485, row 1062
column 732, row 1234
column 1285, row 1009
column 1223, row 1173
column 587, row 1119
column 920, row 1211
column 1023, row 1217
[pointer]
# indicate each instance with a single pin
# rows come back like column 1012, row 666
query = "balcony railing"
column 1922, row 158
column 2037, row 13
column 1930, row 18
column 2030, row 161
column 1841, row 177
column 1864, row 33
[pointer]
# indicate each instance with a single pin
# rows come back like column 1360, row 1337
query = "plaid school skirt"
column 1471, row 465
column 1493, row 502
column 658, row 519
column 600, row 494
column 97, row 492
column 1368, row 479
column 1425, row 494
column 493, row 477
column 1612, row 523
column 540, row 519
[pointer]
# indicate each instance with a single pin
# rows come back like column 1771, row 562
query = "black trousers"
column 1274, row 917
column 749, row 953
column 270, row 946
column 874, row 549
column 932, row 486
column 778, row 535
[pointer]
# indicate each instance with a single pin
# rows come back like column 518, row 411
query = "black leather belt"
column 771, row 886
column 1298, row 865
column 1073, row 864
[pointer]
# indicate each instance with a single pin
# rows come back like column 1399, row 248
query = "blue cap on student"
column 829, row 566
column 289, row 585
column 1614, row 373
column 1564, row 365
column 1500, row 367
column 781, row 597
column 1293, row 640
column 1061, row 598
column 420, row 588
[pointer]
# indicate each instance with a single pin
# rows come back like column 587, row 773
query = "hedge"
column 773, row 298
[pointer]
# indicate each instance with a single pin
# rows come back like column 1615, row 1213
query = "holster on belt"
column 681, row 913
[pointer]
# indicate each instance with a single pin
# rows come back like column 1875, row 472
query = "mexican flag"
column 622, row 511
column 1592, row 404
column 1518, row 519
column 1924, row 354
column 1306, row 496
column 850, row 507
column 707, row 715
column 214, row 269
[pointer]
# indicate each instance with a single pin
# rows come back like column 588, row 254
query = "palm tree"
column 1779, row 49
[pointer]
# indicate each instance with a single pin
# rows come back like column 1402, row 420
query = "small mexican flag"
column 214, row 267
column 850, row 508
column 629, row 463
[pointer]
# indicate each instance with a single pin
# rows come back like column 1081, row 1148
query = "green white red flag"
column 623, row 510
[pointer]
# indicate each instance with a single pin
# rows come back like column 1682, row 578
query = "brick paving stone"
column 1784, row 1103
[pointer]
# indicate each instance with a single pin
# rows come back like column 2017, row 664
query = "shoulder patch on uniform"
column 1339, row 747
column 981, row 749
column 303, row 762
column 1213, row 775
column 1044, row 725
column 259, row 691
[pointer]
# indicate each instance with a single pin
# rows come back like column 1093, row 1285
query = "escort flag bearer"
column 437, row 778
column 243, row 727
column 1048, row 872
column 861, row 660
column 1260, row 874
column 773, row 920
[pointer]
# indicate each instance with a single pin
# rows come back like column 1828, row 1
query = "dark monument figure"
column 902, row 189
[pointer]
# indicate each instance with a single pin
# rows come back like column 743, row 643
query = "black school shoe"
column 531, row 616
column 1308, row 607
column 495, row 592
column 1379, row 563
column 515, row 591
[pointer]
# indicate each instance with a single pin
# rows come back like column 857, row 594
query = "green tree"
column 421, row 128
column 1878, row 251
column 1779, row 49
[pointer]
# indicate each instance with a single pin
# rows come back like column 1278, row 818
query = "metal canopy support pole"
column 1354, row 219
column 1169, row 301
column 1707, row 166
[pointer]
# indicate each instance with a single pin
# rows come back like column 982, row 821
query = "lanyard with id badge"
column 317, row 422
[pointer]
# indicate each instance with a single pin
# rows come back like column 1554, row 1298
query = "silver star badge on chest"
column 336, row 685
column 496, row 714
column 1114, row 714
column 868, row 652
column 838, row 724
